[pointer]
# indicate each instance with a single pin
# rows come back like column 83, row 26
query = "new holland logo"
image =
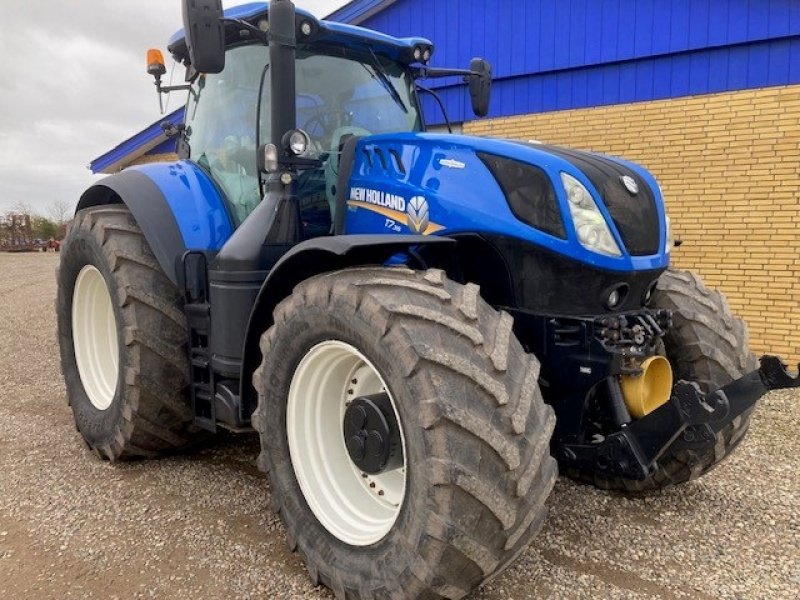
column 630, row 184
column 414, row 213
column 418, row 214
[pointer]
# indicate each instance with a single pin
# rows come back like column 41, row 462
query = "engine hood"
column 450, row 184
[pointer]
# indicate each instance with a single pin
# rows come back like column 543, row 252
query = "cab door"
column 221, row 117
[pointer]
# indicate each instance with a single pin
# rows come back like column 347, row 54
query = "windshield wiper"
column 378, row 73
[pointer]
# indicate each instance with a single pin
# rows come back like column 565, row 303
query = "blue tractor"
column 421, row 327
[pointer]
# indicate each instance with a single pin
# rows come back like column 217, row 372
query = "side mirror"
column 205, row 34
column 480, row 86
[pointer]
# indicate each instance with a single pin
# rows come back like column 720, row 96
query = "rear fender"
column 176, row 205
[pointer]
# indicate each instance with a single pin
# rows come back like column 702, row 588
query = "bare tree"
column 59, row 211
column 21, row 207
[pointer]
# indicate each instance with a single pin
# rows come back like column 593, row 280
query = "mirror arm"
column 431, row 73
column 166, row 89
column 478, row 77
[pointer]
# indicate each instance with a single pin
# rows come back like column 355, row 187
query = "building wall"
column 729, row 167
column 569, row 54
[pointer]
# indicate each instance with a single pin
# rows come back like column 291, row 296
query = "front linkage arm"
column 690, row 420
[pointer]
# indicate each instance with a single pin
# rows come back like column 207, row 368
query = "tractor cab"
column 349, row 82
column 339, row 95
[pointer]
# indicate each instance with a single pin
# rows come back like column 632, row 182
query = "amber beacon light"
column 155, row 63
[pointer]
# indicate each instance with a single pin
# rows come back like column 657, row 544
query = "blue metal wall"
column 561, row 54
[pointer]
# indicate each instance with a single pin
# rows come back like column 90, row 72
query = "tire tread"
column 155, row 417
column 452, row 335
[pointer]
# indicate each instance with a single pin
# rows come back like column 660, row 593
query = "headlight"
column 591, row 227
column 297, row 142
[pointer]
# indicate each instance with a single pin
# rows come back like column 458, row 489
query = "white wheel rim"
column 356, row 508
column 94, row 334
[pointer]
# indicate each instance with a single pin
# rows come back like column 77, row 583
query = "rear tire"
column 474, row 427
column 133, row 401
column 707, row 344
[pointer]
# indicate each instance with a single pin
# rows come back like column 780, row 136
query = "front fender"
column 176, row 205
column 317, row 256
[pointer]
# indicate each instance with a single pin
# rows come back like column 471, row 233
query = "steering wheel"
column 321, row 125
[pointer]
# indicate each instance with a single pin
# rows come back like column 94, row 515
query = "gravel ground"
column 199, row 526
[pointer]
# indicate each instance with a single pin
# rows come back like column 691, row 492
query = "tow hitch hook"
column 708, row 415
column 743, row 393
column 690, row 420
column 775, row 376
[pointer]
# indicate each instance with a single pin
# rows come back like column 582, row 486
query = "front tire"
column 122, row 335
column 474, row 429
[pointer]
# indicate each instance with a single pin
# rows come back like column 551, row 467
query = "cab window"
column 221, row 125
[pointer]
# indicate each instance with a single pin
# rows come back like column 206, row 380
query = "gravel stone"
column 199, row 525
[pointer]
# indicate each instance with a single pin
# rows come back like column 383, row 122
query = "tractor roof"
column 330, row 32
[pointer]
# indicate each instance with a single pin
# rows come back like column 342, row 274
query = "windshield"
column 360, row 93
column 338, row 96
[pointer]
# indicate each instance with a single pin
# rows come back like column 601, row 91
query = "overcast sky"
column 74, row 85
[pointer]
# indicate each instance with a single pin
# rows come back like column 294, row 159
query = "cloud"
column 74, row 86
